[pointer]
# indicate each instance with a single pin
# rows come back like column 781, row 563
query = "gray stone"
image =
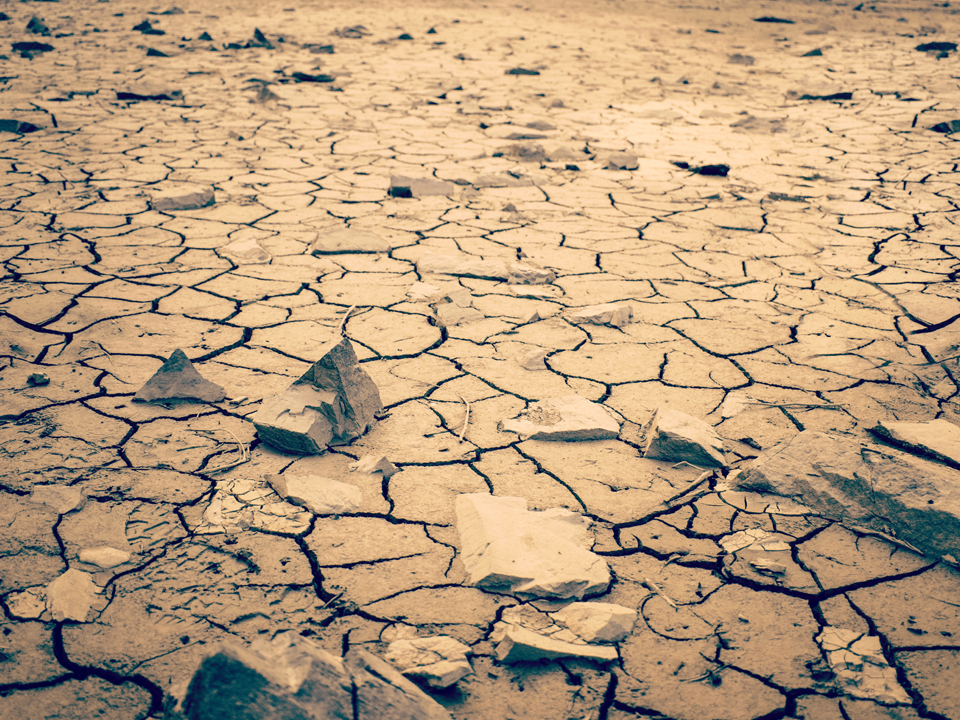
column 406, row 187
column 522, row 645
column 615, row 314
column 438, row 661
column 673, row 435
column 295, row 679
column 180, row 196
column 507, row 548
column 622, row 161
column 320, row 495
column 518, row 273
column 348, row 240
column 570, row 417
column 596, row 621
column 334, row 402
column 450, row 314
column 869, row 486
column 178, row 379
column 938, row 439
column 72, row 596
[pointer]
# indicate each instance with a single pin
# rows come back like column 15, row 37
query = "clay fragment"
column 597, row 621
column 450, row 314
column 332, row 403
column 522, row 645
column 17, row 126
column 508, row 548
column 438, row 661
column 518, row 273
column 673, row 435
column 407, row 187
column 859, row 665
column 104, row 557
column 295, row 679
column 38, row 27
column 320, row 495
column 865, row 485
column 622, row 161
column 62, row 498
column 178, row 379
column 181, row 196
column 939, row 439
column 570, row 417
column 348, row 240
column 946, row 127
column 72, row 596
column 374, row 463
column 615, row 314
column 533, row 359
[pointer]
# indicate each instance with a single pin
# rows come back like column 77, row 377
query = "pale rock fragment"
column 407, row 187
column 508, row 548
column 533, row 359
column 866, row 485
column 768, row 566
column 332, row 403
column 178, row 379
column 615, row 314
column 424, row 292
column 937, row 438
column 295, row 679
column 241, row 504
column 859, row 667
column 245, row 252
column 349, row 240
column 596, row 621
column 450, row 314
column 515, row 272
column 72, row 596
column 622, row 161
column 756, row 538
column 320, row 495
column 676, row 436
column 104, row 557
column 522, row 645
column 374, row 463
column 61, row 498
column 570, row 417
column 180, row 196
column 29, row 604
column 438, row 661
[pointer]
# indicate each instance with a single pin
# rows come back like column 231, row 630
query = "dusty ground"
column 813, row 287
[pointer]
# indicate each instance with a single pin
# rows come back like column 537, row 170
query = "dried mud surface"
column 813, row 287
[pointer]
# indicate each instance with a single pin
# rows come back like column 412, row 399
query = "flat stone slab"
column 296, row 679
column 320, row 495
column 673, row 435
column 938, row 439
column 438, row 661
column 860, row 667
column 332, row 403
column 515, row 272
column 597, row 621
column 522, row 645
column 181, row 196
column 615, row 314
column 402, row 186
column 73, row 596
column 507, row 548
column 570, row 417
column 348, row 240
column 865, row 485
column 178, row 379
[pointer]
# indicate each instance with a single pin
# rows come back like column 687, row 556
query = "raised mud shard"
column 439, row 661
column 865, row 485
column 295, row 679
column 332, row 403
column 507, row 548
column 570, row 417
column 178, row 379
column 673, row 435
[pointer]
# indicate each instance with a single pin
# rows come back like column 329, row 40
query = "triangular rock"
column 673, row 435
column 938, row 439
column 320, row 495
column 178, row 379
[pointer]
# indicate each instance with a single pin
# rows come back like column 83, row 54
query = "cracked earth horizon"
column 810, row 287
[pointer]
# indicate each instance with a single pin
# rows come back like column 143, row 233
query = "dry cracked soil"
column 771, row 186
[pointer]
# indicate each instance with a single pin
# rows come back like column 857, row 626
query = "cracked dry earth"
column 813, row 287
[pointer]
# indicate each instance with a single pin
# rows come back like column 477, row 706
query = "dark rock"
column 147, row 93
column 770, row 19
column 259, row 40
column 738, row 59
column 945, row 47
column 304, row 77
column 521, row 71
column 178, row 379
column 866, row 485
column 405, row 36
column 833, row 97
column 572, row 167
column 950, row 126
column 37, row 27
column 320, row 49
column 334, row 402
column 29, row 48
column 4, row 16
column 147, row 28
column 205, row 37
column 155, row 53
column 17, row 126
column 406, row 187
column 718, row 170
column 294, row 679
column 38, row 380
column 813, row 53
column 431, row 31
column 355, row 33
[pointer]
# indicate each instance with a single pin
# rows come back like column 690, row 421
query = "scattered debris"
column 615, row 314
column 878, row 488
column 294, row 678
column 673, row 435
column 406, row 187
column 241, row 504
column 859, row 667
column 332, row 403
column 178, row 379
column 73, row 596
column 375, row 464
column 938, row 439
column 320, row 495
column 596, row 621
column 515, row 272
column 180, row 196
column 38, row 380
column 570, row 417
column 507, row 548
column 438, row 661
column 622, row 161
